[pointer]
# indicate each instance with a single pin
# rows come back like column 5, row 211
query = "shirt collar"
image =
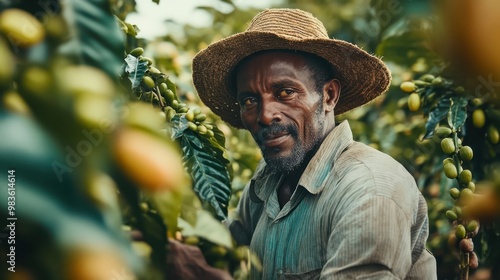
column 318, row 169
column 321, row 165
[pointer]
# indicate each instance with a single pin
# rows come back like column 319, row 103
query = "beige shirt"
column 356, row 214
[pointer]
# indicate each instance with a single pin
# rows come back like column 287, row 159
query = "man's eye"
column 285, row 93
column 249, row 101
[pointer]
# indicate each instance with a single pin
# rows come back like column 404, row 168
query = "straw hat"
column 363, row 76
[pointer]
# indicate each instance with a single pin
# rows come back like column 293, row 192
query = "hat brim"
column 363, row 76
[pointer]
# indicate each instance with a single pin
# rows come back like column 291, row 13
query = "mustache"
column 273, row 129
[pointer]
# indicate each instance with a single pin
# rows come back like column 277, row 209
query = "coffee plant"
column 202, row 142
column 203, row 150
column 101, row 142
column 449, row 107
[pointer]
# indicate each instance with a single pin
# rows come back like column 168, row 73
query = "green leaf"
column 96, row 37
column 209, row 9
column 405, row 48
column 179, row 125
column 230, row 2
column 211, row 180
column 219, row 136
column 154, row 231
column 217, row 144
column 402, row 8
column 428, row 95
column 135, row 69
column 190, row 206
column 219, row 151
column 458, row 112
column 171, row 86
column 437, row 114
column 208, row 228
column 168, row 205
column 156, row 1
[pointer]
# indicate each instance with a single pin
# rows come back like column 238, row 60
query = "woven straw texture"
column 363, row 76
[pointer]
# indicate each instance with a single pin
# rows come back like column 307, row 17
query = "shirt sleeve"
column 246, row 216
column 244, row 219
column 239, row 222
column 372, row 240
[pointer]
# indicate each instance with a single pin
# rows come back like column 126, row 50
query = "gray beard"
column 287, row 164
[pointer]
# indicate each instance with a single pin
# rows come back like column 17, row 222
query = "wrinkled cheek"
column 246, row 120
column 250, row 125
column 311, row 134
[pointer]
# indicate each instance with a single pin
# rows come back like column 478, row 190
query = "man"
column 319, row 205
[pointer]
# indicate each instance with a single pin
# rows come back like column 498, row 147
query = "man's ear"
column 331, row 94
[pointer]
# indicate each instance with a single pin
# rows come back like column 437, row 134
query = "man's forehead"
column 273, row 55
column 286, row 63
column 291, row 61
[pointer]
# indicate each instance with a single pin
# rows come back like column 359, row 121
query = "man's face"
column 280, row 107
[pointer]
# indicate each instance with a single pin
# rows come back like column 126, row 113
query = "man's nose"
column 269, row 113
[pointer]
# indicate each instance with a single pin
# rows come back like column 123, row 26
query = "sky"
column 151, row 17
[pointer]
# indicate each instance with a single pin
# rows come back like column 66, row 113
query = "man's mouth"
column 275, row 135
column 274, row 139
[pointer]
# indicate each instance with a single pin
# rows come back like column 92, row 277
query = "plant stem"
column 157, row 92
column 464, row 266
column 464, row 257
column 456, row 158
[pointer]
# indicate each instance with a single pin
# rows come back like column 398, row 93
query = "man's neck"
column 292, row 178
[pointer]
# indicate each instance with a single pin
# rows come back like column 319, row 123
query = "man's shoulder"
column 373, row 170
column 361, row 157
column 366, row 155
column 364, row 173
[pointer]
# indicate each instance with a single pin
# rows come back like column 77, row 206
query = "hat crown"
column 292, row 23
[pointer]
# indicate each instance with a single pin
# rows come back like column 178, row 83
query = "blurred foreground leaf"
column 208, row 228
column 53, row 202
column 96, row 38
column 406, row 41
